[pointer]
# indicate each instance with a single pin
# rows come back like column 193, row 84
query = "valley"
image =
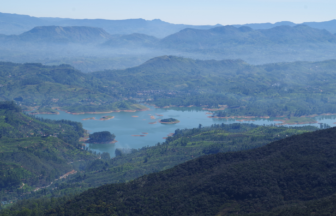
column 146, row 117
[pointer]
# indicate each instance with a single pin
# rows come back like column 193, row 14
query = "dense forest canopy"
column 37, row 85
column 185, row 145
column 169, row 120
column 103, row 136
column 280, row 89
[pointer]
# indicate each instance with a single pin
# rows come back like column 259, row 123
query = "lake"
column 125, row 124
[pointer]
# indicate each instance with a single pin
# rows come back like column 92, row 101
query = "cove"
column 139, row 129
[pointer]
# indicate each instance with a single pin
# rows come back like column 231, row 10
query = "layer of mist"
column 93, row 49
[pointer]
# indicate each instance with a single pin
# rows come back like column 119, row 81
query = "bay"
column 142, row 128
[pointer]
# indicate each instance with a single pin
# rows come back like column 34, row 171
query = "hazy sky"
column 195, row 12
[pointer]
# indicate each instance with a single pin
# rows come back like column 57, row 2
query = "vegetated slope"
column 34, row 152
column 184, row 145
column 320, row 207
column 296, row 169
column 57, row 86
column 290, row 89
column 168, row 73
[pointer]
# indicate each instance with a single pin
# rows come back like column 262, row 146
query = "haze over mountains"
column 58, row 34
column 17, row 24
column 273, row 74
column 186, row 40
column 90, row 48
column 93, row 45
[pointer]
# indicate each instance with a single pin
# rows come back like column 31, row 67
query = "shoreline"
column 111, row 142
column 44, row 113
column 283, row 121
column 244, row 117
column 298, row 123
column 104, row 112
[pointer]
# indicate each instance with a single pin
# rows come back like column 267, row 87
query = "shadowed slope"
column 299, row 168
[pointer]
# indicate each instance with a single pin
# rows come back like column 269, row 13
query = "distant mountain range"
column 327, row 25
column 187, row 39
column 90, row 49
column 214, row 39
column 17, row 24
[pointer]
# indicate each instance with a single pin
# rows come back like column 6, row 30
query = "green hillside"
column 280, row 89
column 36, row 85
column 275, row 177
column 185, row 145
column 35, row 152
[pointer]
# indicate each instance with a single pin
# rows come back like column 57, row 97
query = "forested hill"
column 291, row 171
column 37, row 85
column 279, row 89
column 290, row 89
column 177, row 73
column 35, row 152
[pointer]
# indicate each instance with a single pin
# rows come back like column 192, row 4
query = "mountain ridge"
column 222, row 37
column 17, row 24
column 60, row 35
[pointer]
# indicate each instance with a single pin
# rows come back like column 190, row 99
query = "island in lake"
column 101, row 137
column 105, row 118
column 169, row 121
